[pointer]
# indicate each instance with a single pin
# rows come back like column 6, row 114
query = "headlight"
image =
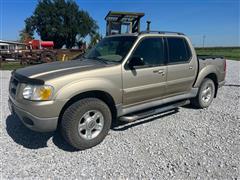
column 38, row 93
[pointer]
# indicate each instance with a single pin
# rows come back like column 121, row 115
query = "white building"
column 8, row 47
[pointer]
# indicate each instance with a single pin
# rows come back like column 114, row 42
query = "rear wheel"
column 86, row 123
column 205, row 94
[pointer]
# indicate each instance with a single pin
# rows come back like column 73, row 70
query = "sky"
column 217, row 20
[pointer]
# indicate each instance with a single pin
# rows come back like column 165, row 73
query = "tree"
column 60, row 21
column 25, row 37
column 94, row 39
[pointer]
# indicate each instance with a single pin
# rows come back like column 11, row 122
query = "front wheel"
column 205, row 94
column 86, row 123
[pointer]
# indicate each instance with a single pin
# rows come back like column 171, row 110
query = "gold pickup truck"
column 125, row 77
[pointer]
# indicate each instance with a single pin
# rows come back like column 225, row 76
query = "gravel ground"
column 187, row 144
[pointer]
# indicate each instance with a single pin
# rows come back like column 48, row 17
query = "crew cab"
column 124, row 77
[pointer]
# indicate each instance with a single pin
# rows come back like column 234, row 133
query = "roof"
column 3, row 44
column 125, row 16
column 11, row 42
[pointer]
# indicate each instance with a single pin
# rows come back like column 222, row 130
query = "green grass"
column 232, row 53
column 11, row 65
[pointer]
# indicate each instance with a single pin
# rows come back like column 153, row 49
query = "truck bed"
column 208, row 63
column 204, row 57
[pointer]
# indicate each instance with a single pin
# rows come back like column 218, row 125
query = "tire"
column 205, row 94
column 80, row 119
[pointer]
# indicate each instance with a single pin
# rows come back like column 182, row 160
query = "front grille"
column 13, row 86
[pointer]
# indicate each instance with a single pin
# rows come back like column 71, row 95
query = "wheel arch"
column 210, row 72
column 102, row 95
column 213, row 77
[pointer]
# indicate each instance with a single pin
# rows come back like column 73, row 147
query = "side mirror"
column 135, row 61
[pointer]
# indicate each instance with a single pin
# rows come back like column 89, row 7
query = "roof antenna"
column 148, row 25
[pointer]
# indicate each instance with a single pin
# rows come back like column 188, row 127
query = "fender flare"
column 210, row 69
column 92, row 84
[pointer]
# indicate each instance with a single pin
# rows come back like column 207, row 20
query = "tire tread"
column 69, row 121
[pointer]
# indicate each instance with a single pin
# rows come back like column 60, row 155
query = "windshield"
column 112, row 48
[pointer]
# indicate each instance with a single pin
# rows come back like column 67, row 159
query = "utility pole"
column 204, row 37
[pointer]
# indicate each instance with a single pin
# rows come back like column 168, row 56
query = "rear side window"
column 151, row 50
column 178, row 50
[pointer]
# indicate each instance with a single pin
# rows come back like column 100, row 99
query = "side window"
column 178, row 50
column 151, row 50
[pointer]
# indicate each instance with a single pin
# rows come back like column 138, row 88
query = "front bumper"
column 33, row 122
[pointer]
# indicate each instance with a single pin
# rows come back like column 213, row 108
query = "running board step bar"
column 143, row 114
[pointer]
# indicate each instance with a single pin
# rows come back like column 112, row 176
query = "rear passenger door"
column 182, row 67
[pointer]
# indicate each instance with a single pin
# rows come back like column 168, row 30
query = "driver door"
column 145, row 82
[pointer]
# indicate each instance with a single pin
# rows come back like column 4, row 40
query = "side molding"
column 123, row 111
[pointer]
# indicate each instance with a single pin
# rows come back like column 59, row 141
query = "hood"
column 55, row 69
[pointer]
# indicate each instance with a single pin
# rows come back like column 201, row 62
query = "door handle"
column 190, row 67
column 159, row 71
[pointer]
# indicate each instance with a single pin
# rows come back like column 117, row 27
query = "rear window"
column 178, row 50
